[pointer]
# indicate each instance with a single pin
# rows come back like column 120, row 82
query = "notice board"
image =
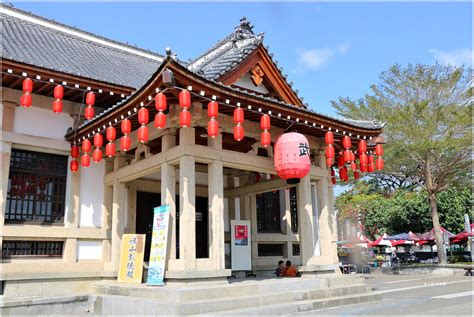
column 240, row 251
column 159, row 241
column 131, row 258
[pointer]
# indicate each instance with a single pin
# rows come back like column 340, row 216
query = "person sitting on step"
column 280, row 269
column 290, row 270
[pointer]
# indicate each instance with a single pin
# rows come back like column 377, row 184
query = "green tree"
column 427, row 110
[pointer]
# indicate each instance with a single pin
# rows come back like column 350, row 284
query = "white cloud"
column 456, row 57
column 318, row 57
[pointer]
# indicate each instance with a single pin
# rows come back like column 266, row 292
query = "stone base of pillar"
column 196, row 278
column 316, row 270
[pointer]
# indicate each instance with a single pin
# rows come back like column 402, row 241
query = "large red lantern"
column 371, row 167
column 160, row 105
column 292, row 157
column 97, row 155
column 362, row 146
column 58, row 95
column 329, row 137
column 184, row 118
column 126, row 126
column 57, row 106
column 90, row 100
column 85, row 160
column 125, row 142
column 265, row 138
column 98, row 140
column 110, row 149
column 111, row 135
column 143, row 134
column 185, row 103
column 347, row 156
column 184, row 99
column 212, row 113
column 329, row 154
column 379, row 163
column 26, row 99
column 74, row 166
column 239, row 120
column 340, row 160
column 346, row 142
column 74, row 151
column 143, row 118
column 86, row 146
column 379, row 150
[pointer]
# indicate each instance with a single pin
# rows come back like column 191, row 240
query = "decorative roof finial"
column 245, row 26
column 170, row 54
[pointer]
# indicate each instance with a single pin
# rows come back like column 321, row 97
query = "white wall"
column 92, row 194
column 41, row 122
column 89, row 250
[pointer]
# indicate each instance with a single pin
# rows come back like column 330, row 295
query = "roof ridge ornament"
column 170, row 54
column 243, row 30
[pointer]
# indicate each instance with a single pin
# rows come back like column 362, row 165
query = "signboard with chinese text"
column 131, row 258
column 240, row 252
column 159, row 241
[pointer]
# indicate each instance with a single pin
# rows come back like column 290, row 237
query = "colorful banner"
column 131, row 258
column 159, row 241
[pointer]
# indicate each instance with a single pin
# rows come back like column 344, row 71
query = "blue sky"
column 328, row 50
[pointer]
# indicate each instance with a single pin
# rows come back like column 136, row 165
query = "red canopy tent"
column 463, row 236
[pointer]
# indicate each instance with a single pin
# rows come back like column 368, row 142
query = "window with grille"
column 296, row 249
column 293, row 210
column 32, row 248
column 36, row 187
column 270, row 249
column 268, row 212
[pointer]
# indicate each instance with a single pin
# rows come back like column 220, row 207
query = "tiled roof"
column 51, row 48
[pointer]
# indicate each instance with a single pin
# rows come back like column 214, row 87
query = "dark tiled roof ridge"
column 75, row 29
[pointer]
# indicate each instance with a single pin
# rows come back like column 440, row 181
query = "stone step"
column 304, row 307
column 115, row 304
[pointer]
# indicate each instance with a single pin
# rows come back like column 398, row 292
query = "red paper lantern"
column 371, row 158
column 347, row 156
column 97, row 155
column 160, row 102
column 330, row 151
column 74, row 166
column 329, row 137
column 343, row 174
column 89, row 112
column 356, row 175
column 74, row 151
column 379, row 163
column 86, row 145
column 363, row 159
column 346, row 142
column 265, row 122
column 329, row 161
column 363, row 168
column 57, row 106
column 184, row 99
column 27, row 85
column 340, row 160
column 26, row 100
column 353, row 156
column 160, row 120
column 379, row 150
column 239, row 115
column 212, row 128
column 292, row 157
column 85, row 160
column 238, row 132
column 98, row 140
column 212, row 109
column 90, row 98
column 110, row 149
column 126, row 126
column 353, row 166
column 58, row 92
column 143, row 134
column 371, row 167
column 184, row 118
column 110, row 134
column 362, row 146
column 266, row 138
column 143, row 116
column 125, row 143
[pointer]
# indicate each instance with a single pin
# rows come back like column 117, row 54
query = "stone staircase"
column 281, row 296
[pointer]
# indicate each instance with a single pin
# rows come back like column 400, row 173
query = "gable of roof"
column 33, row 40
column 230, row 56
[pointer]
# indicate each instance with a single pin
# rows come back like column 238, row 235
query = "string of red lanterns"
column 160, row 106
column 125, row 141
column 111, row 135
column 239, row 132
column 185, row 103
column 212, row 113
column 265, row 125
column 27, row 87
column 58, row 102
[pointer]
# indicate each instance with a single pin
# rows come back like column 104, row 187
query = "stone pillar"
column 325, row 219
column 119, row 192
column 187, row 212
column 168, row 191
column 305, row 220
column 6, row 148
column 216, row 214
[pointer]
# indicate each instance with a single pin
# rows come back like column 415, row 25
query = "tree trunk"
column 442, row 258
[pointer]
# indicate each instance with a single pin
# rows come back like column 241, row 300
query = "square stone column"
column 305, row 220
column 119, row 192
column 6, row 149
column 187, row 212
column 216, row 214
column 168, row 192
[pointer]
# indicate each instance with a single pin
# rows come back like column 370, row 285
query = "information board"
column 159, row 241
column 241, row 252
column 131, row 258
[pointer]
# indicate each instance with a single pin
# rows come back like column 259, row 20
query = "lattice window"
column 268, row 212
column 293, row 210
column 270, row 249
column 32, row 248
column 36, row 187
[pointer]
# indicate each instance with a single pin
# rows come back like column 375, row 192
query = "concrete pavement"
column 413, row 295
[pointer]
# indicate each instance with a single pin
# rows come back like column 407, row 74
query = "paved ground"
column 414, row 295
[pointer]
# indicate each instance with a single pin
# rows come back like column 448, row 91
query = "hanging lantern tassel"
column 239, row 120
column 26, row 99
column 74, row 166
column 184, row 102
column 97, row 153
column 266, row 138
column 90, row 101
column 85, row 158
column 125, row 142
column 111, row 135
column 160, row 106
column 58, row 102
column 143, row 118
column 212, row 113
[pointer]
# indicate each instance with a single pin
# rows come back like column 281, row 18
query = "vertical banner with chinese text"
column 159, row 240
column 131, row 258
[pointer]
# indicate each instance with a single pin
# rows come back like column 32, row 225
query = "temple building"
column 63, row 214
